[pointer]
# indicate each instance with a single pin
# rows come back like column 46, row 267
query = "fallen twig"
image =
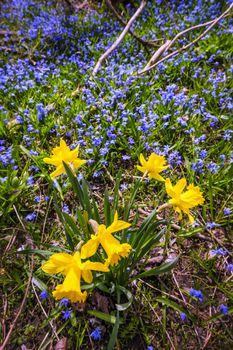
column 7, row 338
column 44, row 312
column 158, row 53
column 124, row 23
column 185, row 47
column 119, row 39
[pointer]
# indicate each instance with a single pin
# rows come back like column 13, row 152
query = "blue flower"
column 219, row 251
column 33, row 153
column 96, row 334
column 34, row 168
column 41, row 112
column 126, row 157
column 203, row 153
column 123, row 187
column 37, row 199
column 97, row 173
column 213, row 167
column 30, row 181
column 150, row 347
column 3, row 179
column 230, row 267
column 19, row 119
column 196, row 294
column 224, row 309
column 183, row 316
column 64, row 302
column 30, row 217
column 227, row 211
column 66, row 209
column 211, row 225
column 44, row 295
column 66, row 314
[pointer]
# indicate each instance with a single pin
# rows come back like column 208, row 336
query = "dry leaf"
column 101, row 302
column 61, row 344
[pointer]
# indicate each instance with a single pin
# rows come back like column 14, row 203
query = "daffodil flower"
column 186, row 200
column 73, row 269
column 153, row 166
column 113, row 248
column 62, row 154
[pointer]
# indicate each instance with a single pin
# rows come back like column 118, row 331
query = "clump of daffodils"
column 180, row 201
column 74, row 269
column 77, row 266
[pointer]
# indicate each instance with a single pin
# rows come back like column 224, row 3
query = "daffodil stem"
column 144, row 175
column 163, row 206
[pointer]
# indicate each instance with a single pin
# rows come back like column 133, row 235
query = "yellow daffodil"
column 62, row 154
column 73, row 269
column 186, row 200
column 153, row 166
column 113, row 248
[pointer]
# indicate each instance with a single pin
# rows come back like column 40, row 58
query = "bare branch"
column 185, row 47
column 124, row 23
column 119, row 39
column 158, row 53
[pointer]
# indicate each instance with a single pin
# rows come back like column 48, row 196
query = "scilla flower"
column 62, row 154
column 183, row 201
column 73, row 269
column 153, row 166
column 113, row 248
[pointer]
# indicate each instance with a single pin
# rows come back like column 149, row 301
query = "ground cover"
column 182, row 110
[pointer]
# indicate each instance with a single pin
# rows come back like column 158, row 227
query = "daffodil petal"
column 57, row 263
column 94, row 266
column 117, row 225
column 87, row 276
column 60, row 170
column 179, row 187
column 89, row 248
column 142, row 160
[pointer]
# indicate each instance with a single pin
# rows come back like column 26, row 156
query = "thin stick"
column 6, row 340
column 44, row 312
column 19, row 218
column 168, row 294
column 119, row 39
column 157, row 316
column 212, row 24
column 124, row 23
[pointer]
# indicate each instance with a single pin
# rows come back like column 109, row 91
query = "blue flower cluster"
column 106, row 121
column 67, row 313
column 196, row 294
